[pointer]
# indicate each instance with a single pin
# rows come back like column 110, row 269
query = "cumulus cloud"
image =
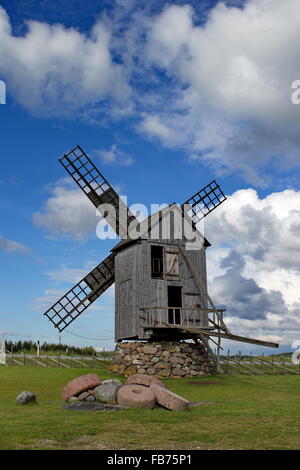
column 11, row 246
column 233, row 77
column 216, row 85
column 253, row 263
column 68, row 212
column 54, row 71
column 265, row 230
column 242, row 296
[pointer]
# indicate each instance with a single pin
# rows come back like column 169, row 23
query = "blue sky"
column 164, row 97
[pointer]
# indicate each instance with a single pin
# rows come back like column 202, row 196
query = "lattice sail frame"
column 98, row 190
column 205, row 201
column 82, row 295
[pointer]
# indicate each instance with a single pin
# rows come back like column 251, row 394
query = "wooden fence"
column 52, row 360
column 258, row 365
column 233, row 365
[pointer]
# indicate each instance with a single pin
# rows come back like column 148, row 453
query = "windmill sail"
column 98, row 190
column 82, row 295
column 205, row 201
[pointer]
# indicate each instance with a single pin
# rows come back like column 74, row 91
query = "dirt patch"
column 91, row 443
column 41, row 444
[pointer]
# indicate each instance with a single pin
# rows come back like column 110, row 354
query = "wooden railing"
column 190, row 317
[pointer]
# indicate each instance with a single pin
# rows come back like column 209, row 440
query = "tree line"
column 31, row 346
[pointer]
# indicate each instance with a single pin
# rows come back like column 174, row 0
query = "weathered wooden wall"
column 135, row 289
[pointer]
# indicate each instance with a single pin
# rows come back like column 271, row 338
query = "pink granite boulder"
column 143, row 379
column 79, row 385
column 136, row 396
column 168, row 399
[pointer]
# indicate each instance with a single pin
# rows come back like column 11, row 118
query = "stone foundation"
column 165, row 359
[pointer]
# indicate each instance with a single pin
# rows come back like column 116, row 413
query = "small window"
column 157, row 264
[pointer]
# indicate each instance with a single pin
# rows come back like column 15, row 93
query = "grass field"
column 247, row 412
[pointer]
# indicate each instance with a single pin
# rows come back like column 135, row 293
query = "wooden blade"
column 98, row 190
column 242, row 339
column 205, row 201
column 82, row 295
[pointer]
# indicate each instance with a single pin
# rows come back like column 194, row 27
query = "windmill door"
column 174, row 304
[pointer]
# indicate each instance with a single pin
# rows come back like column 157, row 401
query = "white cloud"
column 114, row 155
column 231, row 83
column 11, row 246
column 265, row 230
column 219, row 89
column 71, row 275
column 53, row 70
column 153, row 126
column 45, row 301
column 68, row 212
column 253, row 263
column 65, row 274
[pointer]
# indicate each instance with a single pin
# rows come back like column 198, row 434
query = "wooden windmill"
column 160, row 283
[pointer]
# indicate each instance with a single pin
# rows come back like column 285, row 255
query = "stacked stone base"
column 164, row 359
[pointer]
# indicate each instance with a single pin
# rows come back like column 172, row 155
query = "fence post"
column 228, row 361
column 47, row 361
column 57, row 360
column 34, row 361
column 24, row 359
column 273, row 368
column 283, row 366
column 227, row 368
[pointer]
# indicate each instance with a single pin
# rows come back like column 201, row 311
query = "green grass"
column 248, row 412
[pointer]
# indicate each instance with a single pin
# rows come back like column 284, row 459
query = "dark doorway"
column 174, row 300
